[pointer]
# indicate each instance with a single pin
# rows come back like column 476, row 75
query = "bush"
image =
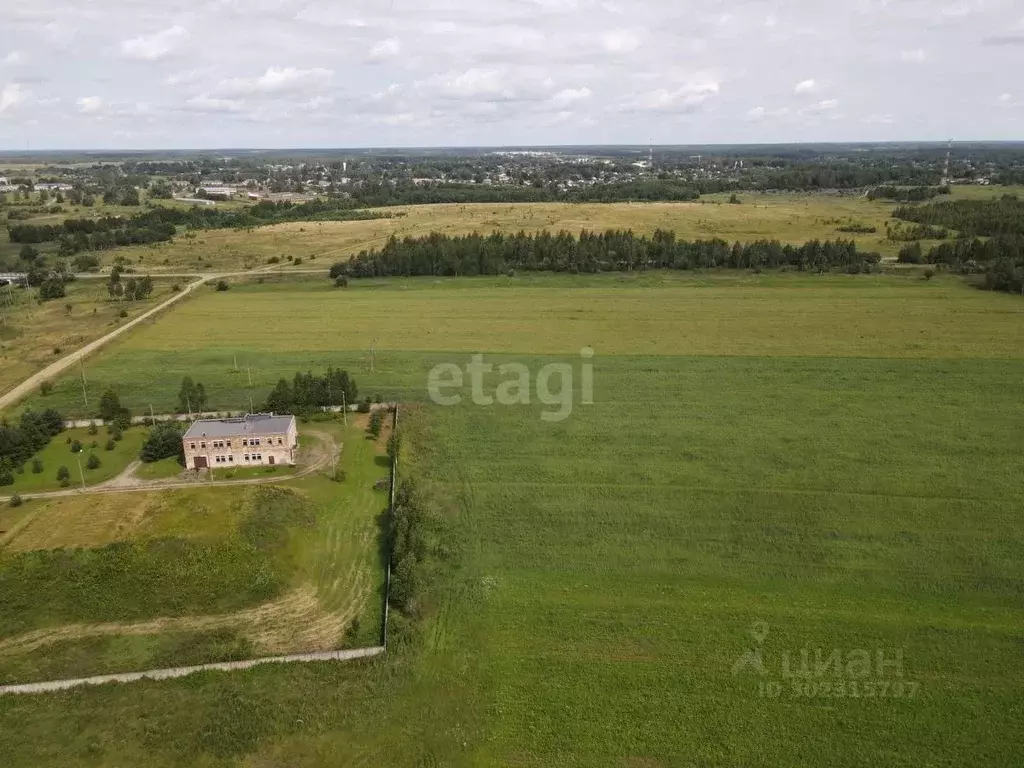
column 223, row 285
column 93, row 429
column 64, row 477
column 123, row 313
column 111, row 445
column 297, row 261
column 16, row 501
column 929, row 273
column 274, row 260
column 37, row 467
column 364, row 407
column 376, row 421
column 6, row 476
column 93, row 462
column 341, row 282
column 46, row 388
column 76, row 446
column 164, row 442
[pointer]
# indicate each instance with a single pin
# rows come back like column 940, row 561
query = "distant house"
column 212, row 190
column 254, row 440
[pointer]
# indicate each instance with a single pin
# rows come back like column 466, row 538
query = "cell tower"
column 949, row 151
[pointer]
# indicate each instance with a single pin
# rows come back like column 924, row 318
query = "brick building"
column 257, row 439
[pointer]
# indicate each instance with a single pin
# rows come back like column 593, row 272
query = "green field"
column 838, row 457
column 176, row 577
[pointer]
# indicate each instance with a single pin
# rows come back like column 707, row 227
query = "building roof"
column 253, row 424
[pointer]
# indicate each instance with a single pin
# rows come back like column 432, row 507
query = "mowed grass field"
column 275, row 329
column 834, row 459
column 132, row 581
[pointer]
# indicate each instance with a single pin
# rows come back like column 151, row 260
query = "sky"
column 137, row 74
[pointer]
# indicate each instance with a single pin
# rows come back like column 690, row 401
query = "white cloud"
column 207, row 103
column 89, row 105
column 805, row 86
column 403, row 118
column 879, row 119
column 820, row 107
column 916, row 56
column 756, row 113
column 14, row 57
column 571, row 95
column 275, row 80
column 156, row 46
column 1005, row 98
column 687, row 98
column 11, row 96
column 620, row 41
column 386, row 49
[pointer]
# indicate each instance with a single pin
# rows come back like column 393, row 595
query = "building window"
column 231, row 459
column 246, row 457
column 280, row 441
column 202, row 445
column 245, row 443
column 192, row 446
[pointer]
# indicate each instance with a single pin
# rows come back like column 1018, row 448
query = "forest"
column 615, row 250
column 971, row 218
column 19, row 442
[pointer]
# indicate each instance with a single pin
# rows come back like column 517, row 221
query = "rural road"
column 55, row 369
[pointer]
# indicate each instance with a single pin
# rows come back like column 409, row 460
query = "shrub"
column 298, row 261
column 46, row 388
column 64, row 477
column 93, row 462
column 274, row 260
column 376, row 420
column 93, row 429
column 16, row 501
column 164, row 442
column 364, row 407
column 6, row 476
column 341, row 282
column 37, row 467
column 223, row 285
column 929, row 273
column 111, row 444
column 175, row 288
column 76, row 446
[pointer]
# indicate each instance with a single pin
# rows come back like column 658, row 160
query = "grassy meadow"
column 791, row 218
column 835, row 457
column 34, row 334
column 192, row 575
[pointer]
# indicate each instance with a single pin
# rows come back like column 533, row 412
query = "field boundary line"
column 176, row 672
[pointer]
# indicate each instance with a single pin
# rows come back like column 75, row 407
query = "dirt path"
column 320, row 457
column 167, row 674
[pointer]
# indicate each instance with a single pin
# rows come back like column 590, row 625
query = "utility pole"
column 373, row 355
column 236, row 361
column 248, row 369
column 152, row 416
column 344, row 408
column 188, row 402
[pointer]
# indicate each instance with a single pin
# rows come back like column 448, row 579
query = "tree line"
column 1000, row 259
column 438, row 254
column 972, row 218
column 307, row 392
column 906, row 194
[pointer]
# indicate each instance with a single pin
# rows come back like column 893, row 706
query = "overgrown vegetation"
column 164, row 442
column 18, row 442
column 906, row 194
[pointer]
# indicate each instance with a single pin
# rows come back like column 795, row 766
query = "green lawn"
column 833, row 460
column 58, row 453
